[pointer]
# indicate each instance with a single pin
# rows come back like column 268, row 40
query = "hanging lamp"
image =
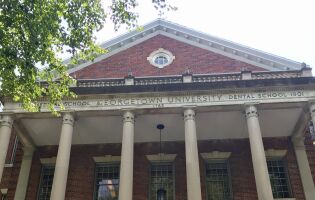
column 161, row 192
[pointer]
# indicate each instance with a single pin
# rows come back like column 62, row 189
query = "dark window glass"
column 278, row 179
column 46, row 181
column 218, row 180
column 161, row 181
column 161, row 60
column 4, row 197
column 107, row 181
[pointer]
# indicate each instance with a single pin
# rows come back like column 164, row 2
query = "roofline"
column 196, row 38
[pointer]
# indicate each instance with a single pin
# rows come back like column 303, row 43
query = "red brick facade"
column 80, row 184
column 187, row 57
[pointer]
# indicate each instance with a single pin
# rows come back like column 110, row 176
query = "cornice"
column 196, row 38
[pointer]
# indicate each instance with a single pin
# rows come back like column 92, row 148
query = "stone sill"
column 285, row 199
column 8, row 165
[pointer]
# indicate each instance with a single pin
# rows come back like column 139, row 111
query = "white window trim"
column 106, row 159
column 48, row 161
column 4, row 191
column 156, row 53
column 216, row 155
column 161, row 157
column 276, row 153
column 285, row 199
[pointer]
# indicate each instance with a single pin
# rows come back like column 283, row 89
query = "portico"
column 199, row 115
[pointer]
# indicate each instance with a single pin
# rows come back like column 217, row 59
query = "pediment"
column 194, row 51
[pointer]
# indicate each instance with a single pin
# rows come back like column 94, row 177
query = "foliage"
column 34, row 32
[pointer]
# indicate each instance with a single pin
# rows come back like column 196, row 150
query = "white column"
column 126, row 164
column 5, row 134
column 258, row 154
column 58, row 190
column 302, row 160
column 192, row 158
column 304, row 168
column 26, row 164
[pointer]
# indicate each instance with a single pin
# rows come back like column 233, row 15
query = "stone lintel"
column 275, row 153
column 161, row 157
column 216, row 155
column 106, row 159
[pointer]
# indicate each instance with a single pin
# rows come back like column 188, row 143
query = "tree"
column 34, row 32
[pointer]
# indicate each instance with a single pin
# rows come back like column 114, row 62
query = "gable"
column 195, row 51
column 187, row 57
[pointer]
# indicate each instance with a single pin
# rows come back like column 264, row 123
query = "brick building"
column 236, row 125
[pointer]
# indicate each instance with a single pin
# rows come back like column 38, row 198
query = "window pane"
column 161, row 179
column 218, row 181
column 278, row 179
column 107, row 182
column 46, row 181
column 4, row 197
column 161, row 60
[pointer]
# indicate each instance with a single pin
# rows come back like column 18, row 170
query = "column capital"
column 68, row 118
column 189, row 114
column 128, row 116
column 312, row 107
column 6, row 120
column 251, row 111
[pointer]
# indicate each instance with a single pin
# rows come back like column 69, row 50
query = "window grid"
column 161, row 177
column 218, row 180
column 47, row 176
column 106, row 181
column 4, row 197
column 161, row 60
column 278, row 179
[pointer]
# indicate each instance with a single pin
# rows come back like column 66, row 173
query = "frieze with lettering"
column 121, row 102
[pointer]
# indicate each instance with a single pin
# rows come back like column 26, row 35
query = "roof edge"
column 196, row 38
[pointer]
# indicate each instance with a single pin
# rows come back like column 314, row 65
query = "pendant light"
column 161, row 192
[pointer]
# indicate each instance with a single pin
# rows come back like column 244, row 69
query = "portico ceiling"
column 217, row 123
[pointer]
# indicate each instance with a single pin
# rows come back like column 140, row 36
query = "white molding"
column 161, row 157
column 4, row 191
column 48, row 161
column 195, row 38
column 285, row 199
column 276, row 153
column 111, row 53
column 159, row 52
column 216, row 155
column 106, row 159
column 212, row 98
column 8, row 165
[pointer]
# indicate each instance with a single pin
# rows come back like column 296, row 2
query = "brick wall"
column 11, row 174
column 81, row 174
column 310, row 148
column 134, row 59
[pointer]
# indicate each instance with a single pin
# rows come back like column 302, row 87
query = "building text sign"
column 168, row 100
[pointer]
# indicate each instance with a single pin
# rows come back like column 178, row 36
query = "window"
column 46, row 180
column 3, row 194
column 161, row 180
column 161, row 58
column 4, row 197
column 218, row 180
column 279, row 179
column 107, row 181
